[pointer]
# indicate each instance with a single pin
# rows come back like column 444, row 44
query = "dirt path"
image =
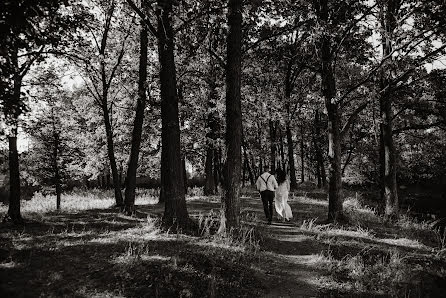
column 287, row 252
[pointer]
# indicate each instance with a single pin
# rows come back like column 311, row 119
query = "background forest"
column 352, row 93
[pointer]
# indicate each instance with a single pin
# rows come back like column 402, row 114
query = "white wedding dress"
column 281, row 201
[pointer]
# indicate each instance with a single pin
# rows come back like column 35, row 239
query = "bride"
column 281, row 197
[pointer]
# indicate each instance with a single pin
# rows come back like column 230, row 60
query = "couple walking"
column 275, row 190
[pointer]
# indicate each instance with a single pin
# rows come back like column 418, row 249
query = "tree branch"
column 144, row 18
column 417, row 127
column 352, row 118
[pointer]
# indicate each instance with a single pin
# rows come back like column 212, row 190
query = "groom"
column 266, row 184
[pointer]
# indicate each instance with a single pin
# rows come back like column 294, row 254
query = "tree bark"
column 171, row 166
column 233, row 115
column 130, row 189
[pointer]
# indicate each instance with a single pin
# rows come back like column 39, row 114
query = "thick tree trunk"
column 233, row 115
column 172, row 179
column 129, row 203
column 389, row 186
column 111, row 154
column 14, row 180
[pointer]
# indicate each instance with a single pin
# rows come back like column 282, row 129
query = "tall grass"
column 380, row 274
column 81, row 199
column 211, row 227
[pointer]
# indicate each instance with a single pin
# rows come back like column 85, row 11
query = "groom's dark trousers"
column 267, row 200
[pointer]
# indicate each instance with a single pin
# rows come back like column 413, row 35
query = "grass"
column 88, row 249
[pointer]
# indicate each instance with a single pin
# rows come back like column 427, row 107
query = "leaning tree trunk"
column 233, row 115
column 328, row 88
column 171, row 166
column 389, row 187
column 111, row 153
column 129, row 203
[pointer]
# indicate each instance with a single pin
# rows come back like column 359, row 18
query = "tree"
column 55, row 156
column 172, row 181
column 233, row 115
column 101, row 68
column 138, row 123
column 28, row 29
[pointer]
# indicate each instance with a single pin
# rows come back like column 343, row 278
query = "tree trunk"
column 57, row 181
column 389, row 186
column 334, row 136
column 248, row 166
column 291, row 163
column 111, row 154
column 14, row 171
column 233, row 115
column 328, row 88
column 209, row 183
column 211, row 136
column 318, row 149
column 217, row 171
column 171, row 166
column 302, row 155
column 14, row 180
column 282, row 151
column 183, row 163
column 273, row 147
column 130, row 189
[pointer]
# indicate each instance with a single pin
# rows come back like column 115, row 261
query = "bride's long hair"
column 281, row 176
